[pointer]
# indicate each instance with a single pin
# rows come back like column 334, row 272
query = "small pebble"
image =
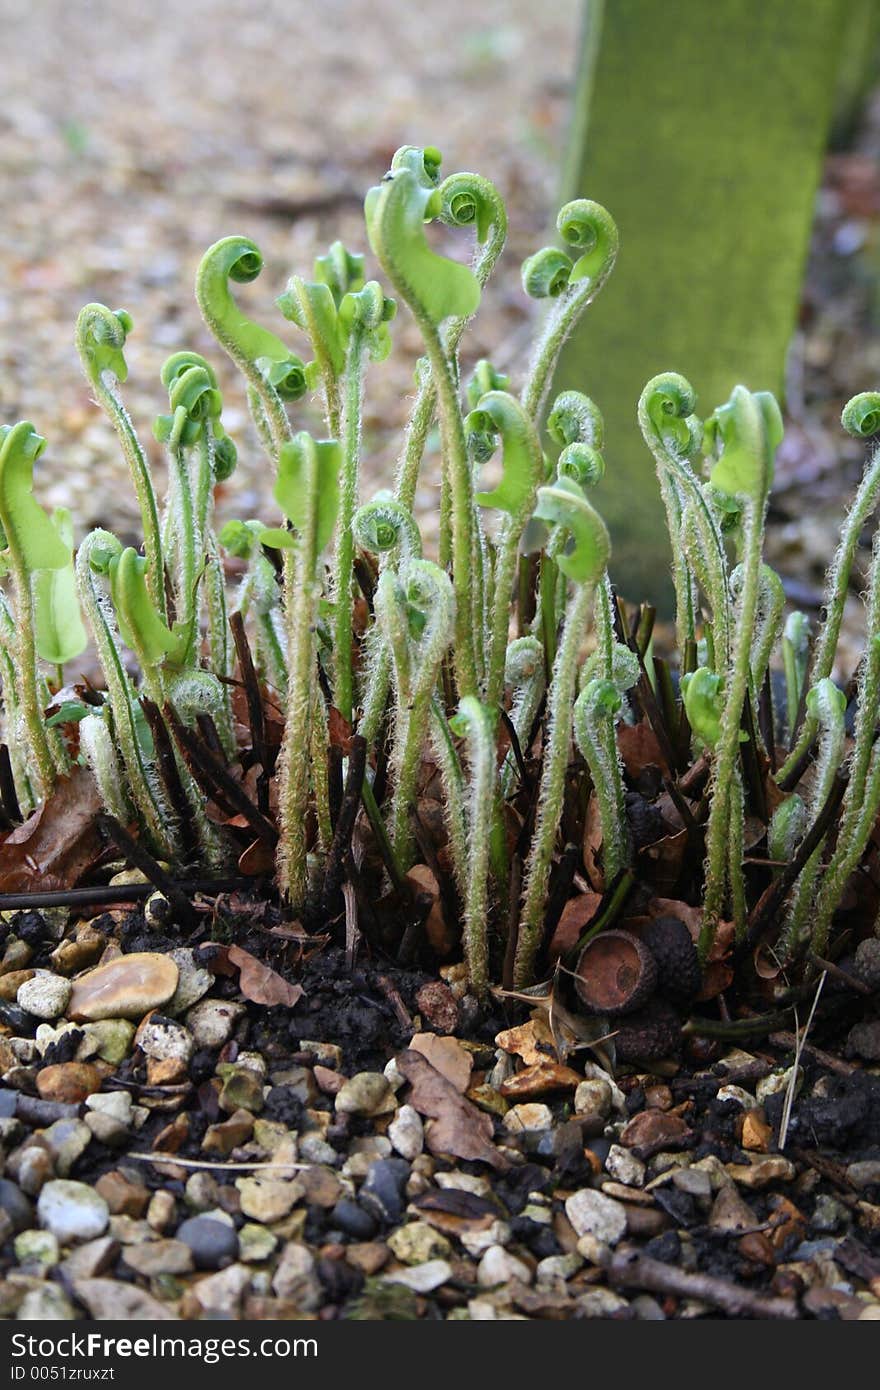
column 45, row 995
column 72, row 1211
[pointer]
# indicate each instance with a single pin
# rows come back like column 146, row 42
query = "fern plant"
column 505, row 667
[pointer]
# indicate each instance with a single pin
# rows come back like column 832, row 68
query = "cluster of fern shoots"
column 505, row 668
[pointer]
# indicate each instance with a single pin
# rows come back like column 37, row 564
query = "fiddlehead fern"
column 595, row 714
column 33, row 545
column 827, row 705
column 583, row 561
column 673, row 432
column 748, row 430
column 435, row 289
column 275, row 373
column 592, row 233
column 415, row 607
column 363, row 320
column 522, row 472
column 861, row 418
column 93, row 561
column 100, row 338
column 525, row 676
column 307, row 492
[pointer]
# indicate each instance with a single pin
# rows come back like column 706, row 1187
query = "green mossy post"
column 702, row 127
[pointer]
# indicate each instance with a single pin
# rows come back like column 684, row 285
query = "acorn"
column 678, row 966
column 615, row 973
column 866, row 964
column 647, row 1036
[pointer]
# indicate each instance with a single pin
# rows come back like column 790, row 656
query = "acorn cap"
column 678, row 966
column 615, row 973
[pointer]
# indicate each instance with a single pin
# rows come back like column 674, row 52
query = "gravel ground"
column 380, row 1147
column 129, row 144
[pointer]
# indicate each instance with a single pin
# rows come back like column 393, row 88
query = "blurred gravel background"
column 133, row 137
column 130, row 140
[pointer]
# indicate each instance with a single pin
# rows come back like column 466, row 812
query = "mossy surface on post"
column 703, row 127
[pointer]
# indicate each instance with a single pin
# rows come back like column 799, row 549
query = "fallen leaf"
column 259, row 983
column 448, row 1056
column 639, row 748
column 55, row 845
column 576, row 916
column 455, row 1126
column 441, row 938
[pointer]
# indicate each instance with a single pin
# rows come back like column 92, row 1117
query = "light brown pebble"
column 128, row 987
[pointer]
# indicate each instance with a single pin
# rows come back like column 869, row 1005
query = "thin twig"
column 628, row 1269
column 140, row 858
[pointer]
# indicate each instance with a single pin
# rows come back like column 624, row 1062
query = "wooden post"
column 701, row 125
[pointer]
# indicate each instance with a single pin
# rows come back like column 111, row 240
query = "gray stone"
column 48, row 1303
column 422, row 1278
column 116, row 1104
column 166, row 1041
column 67, row 1141
column 314, row 1149
column 592, row 1099
column 366, row 1093
column 624, row 1167
column 213, row 1243
column 89, row 1260
column 16, row 1205
column 222, row 1293
column 211, row 1021
column 864, row 1174
column 154, row 1257
column 592, row 1213
column 295, row 1277
column 45, row 995
column 407, row 1133
column 193, row 982
column 829, row 1214
column 110, row 1300
column 72, row 1210
column 499, row 1266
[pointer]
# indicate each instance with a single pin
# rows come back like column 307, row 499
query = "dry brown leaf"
column 260, row 983
column 55, row 845
column 441, row 937
column 448, row 1056
column 640, row 748
column 576, row 916
column 455, row 1126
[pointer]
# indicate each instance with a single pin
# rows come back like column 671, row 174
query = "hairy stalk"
column 416, row 610
column 550, row 795
column 96, row 743
column 92, row 563
column 308, row 493
column 524, row 673
column 827, row 705
column 477, row 723
column 453, row 790
column 100, row 339
column 861, row 418
column 563, row 506
column 595, row 714
column 672, row 432
column 862, row 798
column 748, row 428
